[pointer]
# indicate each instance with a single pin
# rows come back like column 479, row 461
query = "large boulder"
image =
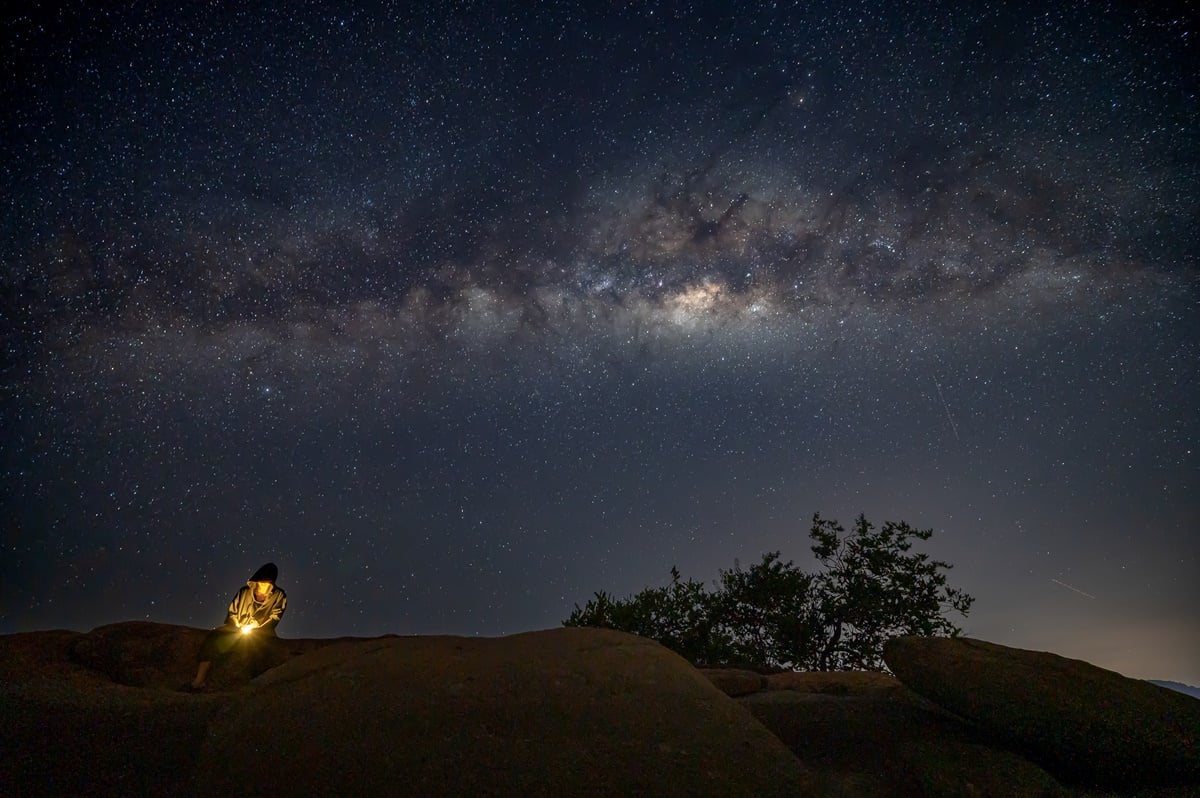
column 157, row 655
column 894, row 745
column 735, row 682
column 37, row 656
column 555, row 713
column 1086, row 725
column 840, row 683
column 562, row 712
column 140, row 653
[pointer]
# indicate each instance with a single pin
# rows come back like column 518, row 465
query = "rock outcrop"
column 572, row 712
column 559, row 712
column 838, row 683
column 1086, row 725
column 556, row 713
column 895, row 746
column 735, row 682
column 144, row 654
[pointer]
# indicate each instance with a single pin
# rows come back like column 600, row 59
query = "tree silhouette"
column 773, row 614
column 873, row 589
column 767, row 612
column 681, row 616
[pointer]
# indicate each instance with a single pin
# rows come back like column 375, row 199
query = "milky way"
column 461, row 315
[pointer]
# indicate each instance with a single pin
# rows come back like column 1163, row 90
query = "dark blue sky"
column 460, row 315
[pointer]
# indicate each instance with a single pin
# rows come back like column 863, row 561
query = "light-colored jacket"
column 244, row 609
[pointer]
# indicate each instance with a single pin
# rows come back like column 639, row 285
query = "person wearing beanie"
column 253, row 614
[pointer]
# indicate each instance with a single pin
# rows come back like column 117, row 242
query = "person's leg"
column 201, row 674
column 215, row 645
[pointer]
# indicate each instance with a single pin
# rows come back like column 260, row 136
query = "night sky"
column 462, row 314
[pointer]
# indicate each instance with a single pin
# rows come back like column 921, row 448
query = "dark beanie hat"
column 268, row 573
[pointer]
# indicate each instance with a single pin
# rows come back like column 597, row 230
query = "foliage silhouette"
column 774, row 615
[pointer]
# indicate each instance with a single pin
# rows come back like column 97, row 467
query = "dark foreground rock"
column 837, row 683
column 557, row 713
column 566, row 712
column 144, row 654
column 1086, row 725
column 895, row 746
column 735, row 682
column 561, row 712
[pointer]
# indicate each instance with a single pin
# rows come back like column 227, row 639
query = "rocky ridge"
column 559, row 712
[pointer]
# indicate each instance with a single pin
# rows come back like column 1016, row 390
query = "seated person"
column 254, row 613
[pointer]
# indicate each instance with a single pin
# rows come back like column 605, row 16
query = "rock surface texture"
column 895, row 746
column 561, row 712
column 572, row 712
column 1088, row 726
column 734, row 682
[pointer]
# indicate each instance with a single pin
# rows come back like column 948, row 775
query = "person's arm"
column 239, row 614
column 277, row 610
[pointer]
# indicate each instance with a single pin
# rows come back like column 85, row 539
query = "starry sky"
column 462, row 313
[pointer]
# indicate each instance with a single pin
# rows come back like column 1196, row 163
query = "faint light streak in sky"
column 946, row 407
column 1068, row 587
